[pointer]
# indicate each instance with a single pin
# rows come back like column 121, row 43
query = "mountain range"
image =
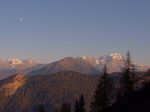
column 13, row 66
column 87, row 65
column 53, row 84
column 81, row 64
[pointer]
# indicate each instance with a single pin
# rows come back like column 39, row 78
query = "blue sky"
column 53, row 29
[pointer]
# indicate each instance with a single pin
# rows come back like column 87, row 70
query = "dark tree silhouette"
column 128, row 79
column 147, row 72
column 76, row 107
column 66, row 107
column 56, row 110
column 137, row 101
column 103, row 95
column 80, row 105
column 41, row 108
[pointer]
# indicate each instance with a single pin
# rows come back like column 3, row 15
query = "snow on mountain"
column 103, row 60
column 67, row 64
column 114, row 62
column 82, row 64
column 29, row 61
column 90, row 60
column 14, row 61
column 12, row 66
column 86, row 64
column 111, row 57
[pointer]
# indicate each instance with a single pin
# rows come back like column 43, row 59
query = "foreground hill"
column 10, row 85
column 49, row 90
column 20, row 93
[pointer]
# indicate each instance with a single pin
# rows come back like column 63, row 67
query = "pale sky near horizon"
column 48, row 30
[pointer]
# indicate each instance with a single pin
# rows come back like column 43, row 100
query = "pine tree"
column 41, row 109
column 103, row 95
column 80, row 105
column 128, row 79
column 147, row 73
column 76, row 106
column 66, row 107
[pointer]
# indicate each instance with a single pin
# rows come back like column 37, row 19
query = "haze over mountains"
column 13, row 65
column 81, row 64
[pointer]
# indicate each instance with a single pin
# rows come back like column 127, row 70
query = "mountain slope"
column 50, row 91
column 67, row 64
column 10, row 85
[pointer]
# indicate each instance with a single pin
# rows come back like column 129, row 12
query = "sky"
column 48, row 30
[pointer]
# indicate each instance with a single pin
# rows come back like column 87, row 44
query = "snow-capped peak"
column 85, row 57
column 14, row 61
column 104, row 59
column 90, row 60
column 111, row 57
column 116, row 56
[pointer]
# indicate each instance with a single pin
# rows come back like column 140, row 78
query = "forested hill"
column 20, row 93
column 49, row 90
